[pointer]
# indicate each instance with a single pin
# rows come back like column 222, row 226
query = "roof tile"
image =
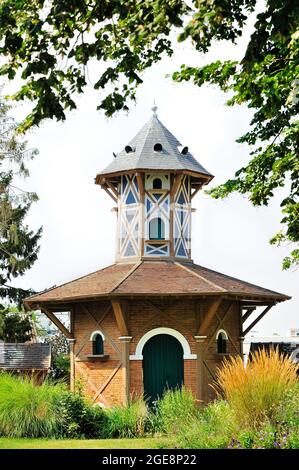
column 152, row 278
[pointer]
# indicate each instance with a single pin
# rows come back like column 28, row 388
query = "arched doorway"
column 163, row 366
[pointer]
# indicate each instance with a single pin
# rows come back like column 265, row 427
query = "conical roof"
column 144, row 157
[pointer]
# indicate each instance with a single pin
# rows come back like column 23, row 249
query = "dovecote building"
column 154, row 319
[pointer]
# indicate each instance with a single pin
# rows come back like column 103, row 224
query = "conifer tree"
column 18, row 244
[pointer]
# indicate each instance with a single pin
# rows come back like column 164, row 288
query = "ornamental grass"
column 27, row 410
column 254, row 391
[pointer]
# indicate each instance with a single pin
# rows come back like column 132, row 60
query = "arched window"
column 157, row 183
column 157, row 229
column 221, row 338
column 98, row 345
column 97, row 339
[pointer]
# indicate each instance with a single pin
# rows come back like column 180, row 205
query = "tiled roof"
column 152, row 278
column 25, row 356
column 144, row 157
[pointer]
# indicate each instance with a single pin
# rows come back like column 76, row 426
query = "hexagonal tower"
column 153, row 181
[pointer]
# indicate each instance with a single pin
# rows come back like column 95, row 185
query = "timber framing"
column 209, row 316
column 57, row 322
column 261, row 315
column 120, row 317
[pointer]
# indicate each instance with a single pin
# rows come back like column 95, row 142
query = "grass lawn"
column 26, row 443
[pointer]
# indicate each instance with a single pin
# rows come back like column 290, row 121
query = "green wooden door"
column 163, row 366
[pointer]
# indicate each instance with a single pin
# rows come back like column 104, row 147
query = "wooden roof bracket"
column 120, row 317
column 110, row 190
column 247, row 314
column 261, row 315
column 57, row 322
column 208, row 317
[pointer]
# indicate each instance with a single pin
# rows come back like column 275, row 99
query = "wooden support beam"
column 266, row 310
column 120, row 317
column 247, row 314
column 141, row 211
column 176, row 183
column 72, row 364
column 109, row 193
column 140, row 183
column 113, row 189
column 209, row 316
column 255, row 303
column 57, row 322
column 125, row 358
column 200, row 347
column 195, row 192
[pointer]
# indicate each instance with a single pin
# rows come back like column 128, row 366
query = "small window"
column 157, row 229
column 157, row 183
column 221, row 342
column 158, row 147
column 98, row 345
column 128, row 149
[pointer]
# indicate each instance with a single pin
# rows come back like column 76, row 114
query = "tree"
column 18, row 326
column 60, row 356
column 15, row 328
column 18, row 244
column 50, row 43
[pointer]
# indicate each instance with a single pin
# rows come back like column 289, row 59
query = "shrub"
column 127, row 421
column 287, row 413
column 255, row 392
column 213, row 428
column 60, row 368
column 80, row 418
column 174, row 408
column 27, row 410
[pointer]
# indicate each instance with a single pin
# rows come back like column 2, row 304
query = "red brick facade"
column 104, row 381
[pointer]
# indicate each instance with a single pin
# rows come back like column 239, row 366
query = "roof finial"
column 154, row 109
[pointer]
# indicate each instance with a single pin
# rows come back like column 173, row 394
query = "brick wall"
column 105, row 381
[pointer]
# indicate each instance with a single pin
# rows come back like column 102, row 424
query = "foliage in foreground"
column 51, row 47
column 27, row 410
column 175, row 407
column 128, row 421
column 271, row 412
column 254, row 392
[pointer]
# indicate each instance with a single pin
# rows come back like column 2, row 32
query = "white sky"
column 229, row 236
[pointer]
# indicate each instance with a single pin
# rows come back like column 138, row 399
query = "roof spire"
column 154, row 109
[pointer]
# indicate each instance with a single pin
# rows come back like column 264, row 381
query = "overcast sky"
column 229, row 236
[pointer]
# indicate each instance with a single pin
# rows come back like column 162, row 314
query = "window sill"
column 97, row 357
column 157, row 241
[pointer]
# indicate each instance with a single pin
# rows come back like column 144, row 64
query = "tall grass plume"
column 256, row 390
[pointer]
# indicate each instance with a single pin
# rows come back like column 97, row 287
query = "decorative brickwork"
column 103, row 381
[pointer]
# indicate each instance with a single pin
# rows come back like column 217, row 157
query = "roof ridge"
column 163, row 128
column 149, row 126
column 126, row 276
column 201, row 277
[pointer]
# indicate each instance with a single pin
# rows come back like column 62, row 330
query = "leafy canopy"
column 49, row 43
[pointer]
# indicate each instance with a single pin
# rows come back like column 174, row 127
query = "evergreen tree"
column 18, row 244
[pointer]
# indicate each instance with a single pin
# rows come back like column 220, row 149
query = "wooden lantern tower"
column 154, row 319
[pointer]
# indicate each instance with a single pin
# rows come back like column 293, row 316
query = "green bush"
column 127, row 421
column 27, row 410
column 213, row 428
column 80, row 418
column 173, row 409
